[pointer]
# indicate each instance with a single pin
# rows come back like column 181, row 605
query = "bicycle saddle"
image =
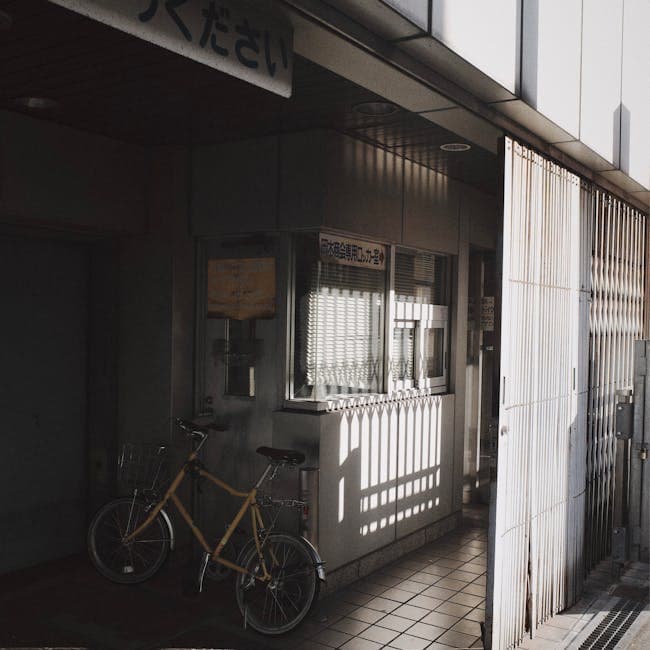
column 282, row 455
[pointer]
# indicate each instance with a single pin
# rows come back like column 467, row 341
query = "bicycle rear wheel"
column 279, row 605
column 133, row 562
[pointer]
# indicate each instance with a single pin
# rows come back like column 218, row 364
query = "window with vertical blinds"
column 420, row 277
column 339, row 326
column 340, row 316
column 419, row 342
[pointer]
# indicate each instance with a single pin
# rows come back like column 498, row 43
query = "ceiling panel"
column 114, row 84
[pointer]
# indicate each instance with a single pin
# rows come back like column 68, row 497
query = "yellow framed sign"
column 242, row 288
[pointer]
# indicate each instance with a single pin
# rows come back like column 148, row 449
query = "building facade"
column 425, row 268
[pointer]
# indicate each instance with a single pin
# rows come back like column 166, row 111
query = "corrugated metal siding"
column 616, row 321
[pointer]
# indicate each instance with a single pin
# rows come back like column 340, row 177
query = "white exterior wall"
column 486, row 34
column 417, row 11
column 576, row 76
column 635, row 102
column 551, row 49
column 601, row 77
column 386, row 470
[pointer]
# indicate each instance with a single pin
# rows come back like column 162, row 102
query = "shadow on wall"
column 386, row 471
column 621, row 145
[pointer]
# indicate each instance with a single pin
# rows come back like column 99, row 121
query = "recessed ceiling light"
column 376, row 108
column 456, row 146
column 6, row 21
column 37, row 103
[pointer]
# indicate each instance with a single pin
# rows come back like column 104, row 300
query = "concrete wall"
column 600, row 89
column 157, row 307
column 142, row 284
column 635, row 99
column 157, row 316
column 326, row 180
column 103, row 353
column 235, row 184
column 486, row 34
column 129, row 207
column 584, row 66
column 248, row 420
column 551, row 60
column 386, row 470
column 55, row 175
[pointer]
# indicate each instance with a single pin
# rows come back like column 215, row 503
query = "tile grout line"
column 438, row 553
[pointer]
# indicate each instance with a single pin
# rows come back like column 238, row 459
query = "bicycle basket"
column 143, row 467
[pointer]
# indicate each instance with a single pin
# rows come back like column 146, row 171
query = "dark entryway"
column 43, row 331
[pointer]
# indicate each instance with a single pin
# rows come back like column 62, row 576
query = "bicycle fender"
column 170, row 528
column 315, row 556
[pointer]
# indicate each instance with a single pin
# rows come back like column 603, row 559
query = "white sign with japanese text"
column 487, row 313
column 352, row 252
column 239, row 38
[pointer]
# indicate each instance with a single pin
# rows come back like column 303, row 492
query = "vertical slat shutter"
column 617, row 320
column 573, row 303
column 537, row 526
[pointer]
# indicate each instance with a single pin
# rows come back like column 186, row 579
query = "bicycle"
column 278, row 574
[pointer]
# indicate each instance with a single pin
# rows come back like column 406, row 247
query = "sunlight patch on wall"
column 401, row 445
column 344, row 440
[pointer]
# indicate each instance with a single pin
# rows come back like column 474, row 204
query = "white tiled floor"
column 433, row 598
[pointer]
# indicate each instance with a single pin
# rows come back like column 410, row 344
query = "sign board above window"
column 241, row 288
column 351, row 252
column 235, row 37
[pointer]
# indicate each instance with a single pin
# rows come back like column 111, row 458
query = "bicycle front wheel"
column 127, row 562
column 279, row 605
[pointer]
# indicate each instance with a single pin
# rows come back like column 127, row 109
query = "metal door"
column 43, row 285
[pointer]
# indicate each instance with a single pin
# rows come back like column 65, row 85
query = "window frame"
column 398, row 384
column 422, row 316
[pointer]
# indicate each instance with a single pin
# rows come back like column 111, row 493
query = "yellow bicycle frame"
column 215, row 554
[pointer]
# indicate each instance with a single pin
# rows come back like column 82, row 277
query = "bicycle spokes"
column 279, row 604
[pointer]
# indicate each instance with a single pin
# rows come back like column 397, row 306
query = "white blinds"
column 420, row 277
column 341, row 330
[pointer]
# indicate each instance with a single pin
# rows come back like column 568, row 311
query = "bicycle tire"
column 277, row 606
column 127, row 563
